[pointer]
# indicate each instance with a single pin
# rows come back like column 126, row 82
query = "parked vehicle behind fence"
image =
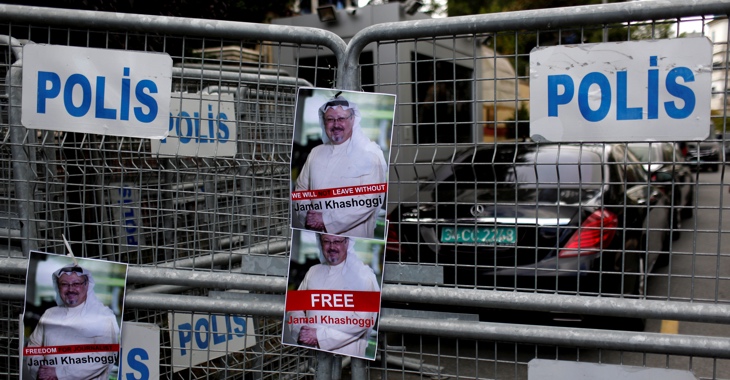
column 725, row 143
column 578, row 219
column 705, row 155
column 667, row 167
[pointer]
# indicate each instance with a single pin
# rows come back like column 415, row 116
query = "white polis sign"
column 198, row 338
column 108, row 92
column 140, row 351
column 624, row 91
column 201, row 125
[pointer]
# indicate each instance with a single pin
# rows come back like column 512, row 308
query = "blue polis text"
column 561, row 91
column 187, row 128
column 50, row 87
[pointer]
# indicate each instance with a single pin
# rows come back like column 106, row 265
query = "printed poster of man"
column 72, row 318
column 333, row 295
column 340, row 155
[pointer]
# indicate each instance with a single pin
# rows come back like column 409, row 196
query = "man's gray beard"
column 330, row 259
column 76, row 303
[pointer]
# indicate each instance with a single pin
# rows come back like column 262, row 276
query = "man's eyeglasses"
column 336, row 242
column 74, row 285
column 338, row 120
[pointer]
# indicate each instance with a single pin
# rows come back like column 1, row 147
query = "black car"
column 575, row 219
column 667, row 167
column 705, row 155
column 725, row 143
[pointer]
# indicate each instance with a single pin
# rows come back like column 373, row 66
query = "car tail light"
column 393, row 243
column 596, row 232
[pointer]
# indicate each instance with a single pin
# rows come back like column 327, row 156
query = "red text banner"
column 334, row 192
column 334, row 300
column 70, row 349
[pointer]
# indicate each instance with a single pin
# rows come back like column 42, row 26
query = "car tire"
column 629, row 283
column 622, row 275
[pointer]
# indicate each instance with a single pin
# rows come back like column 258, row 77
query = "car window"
column 673, row 153
column 635, row 174
column 646, row 152
column 553, row 167
column 628, row 165
column 566, row 175
column 670, row 153
column 527, row 168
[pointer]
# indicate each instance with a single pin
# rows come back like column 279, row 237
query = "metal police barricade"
column 459, row 87
column 245, row 194
column 220, row 218
column 469, row 105
column 12, row 51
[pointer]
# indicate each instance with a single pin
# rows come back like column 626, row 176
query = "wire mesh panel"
column 117, row 198
column 467, row 175
column 417, row 357
column 476, row 204
column 188, row 206
column 477, row 209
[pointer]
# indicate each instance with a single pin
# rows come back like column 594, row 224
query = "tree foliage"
column 473, row 7
column 518, row 44
column 176, row 46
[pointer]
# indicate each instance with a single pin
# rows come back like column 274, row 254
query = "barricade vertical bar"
column 464, row 260
column 336, row 367
column 23, row 155
column 349, row 79
column 359, row 369
column 325, row 366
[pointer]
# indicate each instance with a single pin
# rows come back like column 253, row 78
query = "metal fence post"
column 325, row 369
column 349, row 79
column 22, row 158
column 359, row 369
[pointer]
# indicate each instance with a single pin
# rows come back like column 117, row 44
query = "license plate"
column 479, row 235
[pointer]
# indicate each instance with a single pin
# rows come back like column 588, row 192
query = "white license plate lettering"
column 479, row 235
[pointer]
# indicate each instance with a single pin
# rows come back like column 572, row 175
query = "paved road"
column 700, row 269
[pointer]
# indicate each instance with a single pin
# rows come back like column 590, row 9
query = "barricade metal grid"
column 417, row 357
column 181, row 211
column 456, row 91
column 484, row 101
column 490, row 105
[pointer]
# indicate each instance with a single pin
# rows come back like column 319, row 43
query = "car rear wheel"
column 622, row 275
column 637, row 283
column 627, row 279
column 634, row 279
